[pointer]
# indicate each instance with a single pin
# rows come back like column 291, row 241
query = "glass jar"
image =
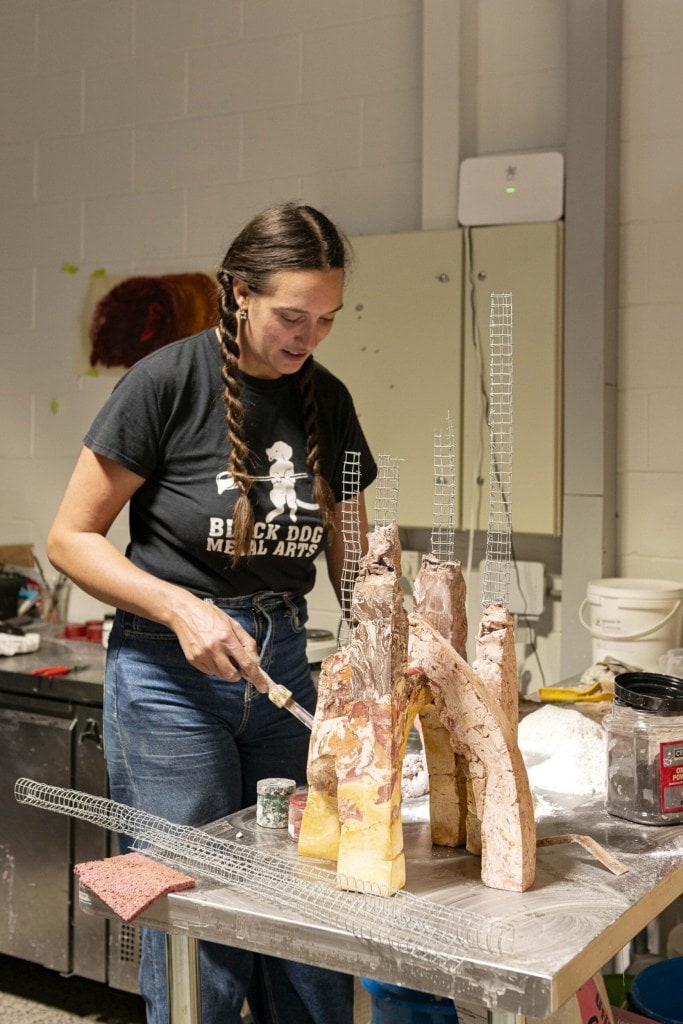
column 645, row 749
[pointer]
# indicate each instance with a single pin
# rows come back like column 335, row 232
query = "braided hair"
column 285, row 237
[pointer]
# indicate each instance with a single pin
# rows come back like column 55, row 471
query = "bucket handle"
column 625, row 636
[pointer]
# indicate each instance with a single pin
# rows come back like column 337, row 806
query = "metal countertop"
column 87, row 685
column 83, row 687
column 575, row 918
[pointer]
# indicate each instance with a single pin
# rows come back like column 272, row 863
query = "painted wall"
column 137, row 136
column 650, row 372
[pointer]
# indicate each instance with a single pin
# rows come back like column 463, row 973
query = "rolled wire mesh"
column 496, row 582
column 350, row 529
column 406, row 923
column 386, row 490
column 443, row 512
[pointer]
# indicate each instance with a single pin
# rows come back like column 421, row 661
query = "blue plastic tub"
column 394, row 1004
column 657, row 992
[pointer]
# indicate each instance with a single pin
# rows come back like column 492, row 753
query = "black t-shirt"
column 165, row 420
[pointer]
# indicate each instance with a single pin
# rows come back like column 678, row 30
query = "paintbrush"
column 278, row 694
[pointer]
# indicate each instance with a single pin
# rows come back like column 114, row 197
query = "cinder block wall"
column 138, row 136
column 650, row 376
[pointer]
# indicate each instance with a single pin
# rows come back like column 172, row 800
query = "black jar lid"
column 650, row 691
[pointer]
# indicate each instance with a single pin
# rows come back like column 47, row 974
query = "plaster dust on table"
column 565, row 752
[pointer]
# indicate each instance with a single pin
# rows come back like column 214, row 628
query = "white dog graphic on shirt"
column 283, row 479
column 282, row 475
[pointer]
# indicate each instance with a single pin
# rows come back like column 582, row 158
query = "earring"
column 242, row 313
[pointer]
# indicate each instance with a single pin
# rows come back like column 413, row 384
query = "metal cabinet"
column 525, row 260
column 57, row 742
column 51, row 731
column 396, row 344
column 412, row 345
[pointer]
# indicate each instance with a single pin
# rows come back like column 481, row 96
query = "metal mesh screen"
column 496, row 582
column 386, row 490
column 350, row 528
column 408, row 924
column 443, row 514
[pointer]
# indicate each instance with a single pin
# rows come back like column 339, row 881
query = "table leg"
column 182, row 974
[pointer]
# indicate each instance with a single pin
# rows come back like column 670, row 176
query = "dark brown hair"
column 286, row 237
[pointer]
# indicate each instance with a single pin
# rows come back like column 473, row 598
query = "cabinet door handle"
column 91, row 733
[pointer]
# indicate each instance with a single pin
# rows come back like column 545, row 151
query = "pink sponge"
column 130, row 882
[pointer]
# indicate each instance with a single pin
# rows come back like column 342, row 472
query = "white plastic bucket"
column 634, row 620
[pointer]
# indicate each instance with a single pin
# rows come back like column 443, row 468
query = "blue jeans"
column 191, row 748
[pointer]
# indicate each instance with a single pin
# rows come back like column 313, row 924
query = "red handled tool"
column 58, row 670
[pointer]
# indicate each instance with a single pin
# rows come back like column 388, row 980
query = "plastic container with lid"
column 297, row 806
column 394, row 1004
column 656, row 992
column 645, row 749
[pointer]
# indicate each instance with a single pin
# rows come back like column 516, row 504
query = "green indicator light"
column 510, row 189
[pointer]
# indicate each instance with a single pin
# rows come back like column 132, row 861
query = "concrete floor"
column 30, row 994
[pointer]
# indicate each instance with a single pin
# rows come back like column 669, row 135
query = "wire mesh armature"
column 386, row 490
column 443, row 514
column 496, row 583
column 350, row 528
column 409, row 924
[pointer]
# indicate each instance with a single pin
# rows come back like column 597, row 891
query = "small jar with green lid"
column 272, row 802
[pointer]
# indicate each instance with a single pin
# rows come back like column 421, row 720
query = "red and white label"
column 592, row 1006
column 671, row 776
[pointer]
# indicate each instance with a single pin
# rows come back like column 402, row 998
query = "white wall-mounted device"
column 511, row 188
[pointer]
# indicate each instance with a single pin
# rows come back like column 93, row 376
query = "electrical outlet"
column 527, row 588
column 410, row 565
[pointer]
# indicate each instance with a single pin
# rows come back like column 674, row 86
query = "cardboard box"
column 17, row 555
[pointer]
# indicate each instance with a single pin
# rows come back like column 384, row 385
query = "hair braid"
column 322, row 492
column 238, row 463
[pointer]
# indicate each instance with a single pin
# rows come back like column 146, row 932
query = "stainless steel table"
column 574, row 919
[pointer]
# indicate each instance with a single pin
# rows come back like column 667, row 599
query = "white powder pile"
column 564, row 751
column 415, row 777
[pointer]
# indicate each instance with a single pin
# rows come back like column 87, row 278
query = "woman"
column 229, row 446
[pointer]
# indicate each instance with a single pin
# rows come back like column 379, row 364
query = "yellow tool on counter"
column 596, row 683
column 564, row 694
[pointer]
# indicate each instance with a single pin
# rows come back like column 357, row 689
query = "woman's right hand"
column 213, row 642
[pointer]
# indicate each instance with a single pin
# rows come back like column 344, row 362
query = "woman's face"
column 287, row 323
